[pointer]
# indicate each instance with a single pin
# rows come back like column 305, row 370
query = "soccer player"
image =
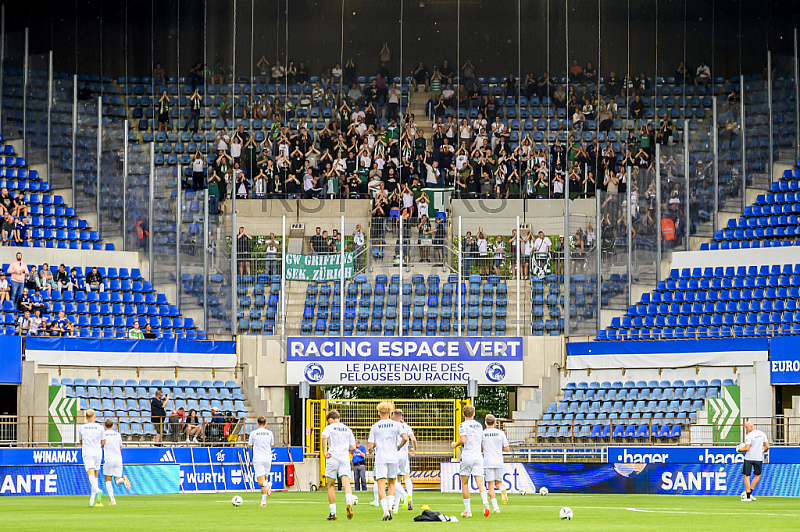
column 494, row 443
column 112, row 466
column 755, row 445
column 262, row 440
column 383, row 441
column 337, row 442
column 91, row 435
column 403, row 496
column 471, row 437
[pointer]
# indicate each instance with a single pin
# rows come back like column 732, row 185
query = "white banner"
column 515, row 478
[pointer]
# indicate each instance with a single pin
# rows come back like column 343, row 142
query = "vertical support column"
column 75, row 140
column 49, row 114
column 206, row 252
column 460, row 275
column 796, row 98
column 3, row 60
column 283, row 287
column 178, row 233
column 516, row 248
column 341, row 280
column 771, row 121
column 150, row 201
column 566, row 252
column 598, row 247
column 234, row 257
column 25, row 75
column 659, row 247
column 400, row 299
column 126, row 154
column 688, row 229
column 715, row 151
column 99, row 164
column 629, row 236
column 743, row 138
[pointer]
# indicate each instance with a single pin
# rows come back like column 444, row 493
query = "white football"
column 522, row 491
column 543, row 491
column 565, row 513
column 355, row 500
column 237, row 500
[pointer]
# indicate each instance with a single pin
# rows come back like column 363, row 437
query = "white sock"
column 399, row 492
column 375, row 490
column 485, row 498
column 409, row 488
column 348, row 498
column 110, row 489
column 93, row 483
column 385, row 506
column 263, row 498
column 391, row 499
column 494, row 504
column 332, row 508
column 466, row 505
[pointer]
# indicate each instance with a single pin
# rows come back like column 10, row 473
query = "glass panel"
column 756, row 131
column 13, row 80
column 111, row 177
column 730, row 149
column 701, row 177
column 137, row 199
column 61, row 139
column 784, row 133
column 38, row 78
column 86, row 157
column 164, row 227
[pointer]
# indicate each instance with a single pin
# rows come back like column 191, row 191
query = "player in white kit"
column 337, row 442
column 403, row 496
column 494, row 443
column 754, row 446
column 383, row 441
column 262, row 440
column 471, row 437
column 112, row 460
column 91, row 435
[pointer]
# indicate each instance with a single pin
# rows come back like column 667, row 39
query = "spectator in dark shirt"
column 94, row 281
column 317, row 242
column 243, row 241
column 158, row 413
column 25, row 304
column 22, row 231
column 637, row 107
column 61, row 278
column 420, row 76
column 75, row 282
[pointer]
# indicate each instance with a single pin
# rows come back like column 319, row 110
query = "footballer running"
column 337, row 442
column 262, row 440
column 112, row 464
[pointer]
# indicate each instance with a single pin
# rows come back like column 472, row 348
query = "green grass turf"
column 307, row 511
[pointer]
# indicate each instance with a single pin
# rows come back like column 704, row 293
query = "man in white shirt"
column 91, row 435
column 112, row 463
column 383, row 441
column 404, row 488
column 358, row 251
column 262, row 440
column 754, row 446
column 337, row 442
column 471, row 438
column 494, row 443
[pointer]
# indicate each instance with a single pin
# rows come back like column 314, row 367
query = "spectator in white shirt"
column 703, row 75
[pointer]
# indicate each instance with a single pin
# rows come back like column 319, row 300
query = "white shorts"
column 335, row 469
column 493, row 473
column 262, row 469
column 385, row 470
column 92, row 462
column 112, row 469
column 471, row 468
column 403, row 466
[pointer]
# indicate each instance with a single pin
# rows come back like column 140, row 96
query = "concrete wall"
column 265, row 374
column 262, row 217
column 32, row 400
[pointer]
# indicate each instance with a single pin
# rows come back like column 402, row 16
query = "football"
column 565, row 513
column 355, row 500
column 522, row 491
column 237, row 500
column 543, row 491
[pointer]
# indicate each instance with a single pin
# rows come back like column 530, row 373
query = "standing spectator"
column 263, row 70
column 483, row 252
column 317, row 243
column 358, row 255
column 350, row 72
column 94, row 281
column 198, row 175
column 359, row 467
column 158, row 74
column 271, row 247
column 541, row 249
column 499, row 254
column 195, row 104
column 158, row 413
column 135, row 333
column 436, row 85
column 467, row 251
column 5, row 290
column 243, row 241
column 439, row 235
column 163, row 112
column 18, row 271
column 394, row 102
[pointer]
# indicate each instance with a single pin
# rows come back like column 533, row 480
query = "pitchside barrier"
column 152, row 471
column 651, row 470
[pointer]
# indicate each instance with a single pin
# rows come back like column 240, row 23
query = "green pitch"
column 307, row 511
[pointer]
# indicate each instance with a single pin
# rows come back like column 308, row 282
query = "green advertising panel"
column 317, row 267
column 62, row 411
column 724, row 415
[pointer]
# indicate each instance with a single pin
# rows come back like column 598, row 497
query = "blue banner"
column 784, row 360
column 10, row 359
column 777, row 480
column 224, row 477
column 667, row 347
column 695, row 455
column 142, row 455
column 166, row 345
column 404, row 360
column 73, row 480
